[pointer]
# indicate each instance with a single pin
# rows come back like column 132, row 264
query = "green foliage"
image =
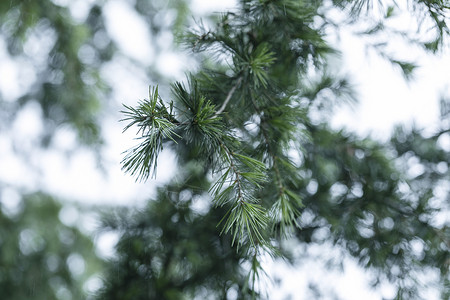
column 67, row 86
column 375, row 209
column 201, row 126
column 246, row 120
column 40, row 257
column 156, row 123
column 171, row 250
column 59, row 56
column 256, row 161
column 253, row 60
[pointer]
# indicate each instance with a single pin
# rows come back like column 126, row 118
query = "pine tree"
column 247, row 144
column 255, row 73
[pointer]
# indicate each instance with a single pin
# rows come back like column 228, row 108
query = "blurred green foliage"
column 172, row 249
column 59, row 49
column 40, row 257
column 65, row 56
column 371, row 204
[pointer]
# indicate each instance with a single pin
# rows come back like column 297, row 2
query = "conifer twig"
column 228, row 98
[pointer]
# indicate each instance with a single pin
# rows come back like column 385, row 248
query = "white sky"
column 385, row 99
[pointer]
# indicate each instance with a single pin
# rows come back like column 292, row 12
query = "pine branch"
column 156, row 123
column 245, row 220
column 284, row 210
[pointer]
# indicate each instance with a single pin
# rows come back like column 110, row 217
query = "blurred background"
column 66, row 68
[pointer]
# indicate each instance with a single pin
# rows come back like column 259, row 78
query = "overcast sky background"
column 385, row 99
